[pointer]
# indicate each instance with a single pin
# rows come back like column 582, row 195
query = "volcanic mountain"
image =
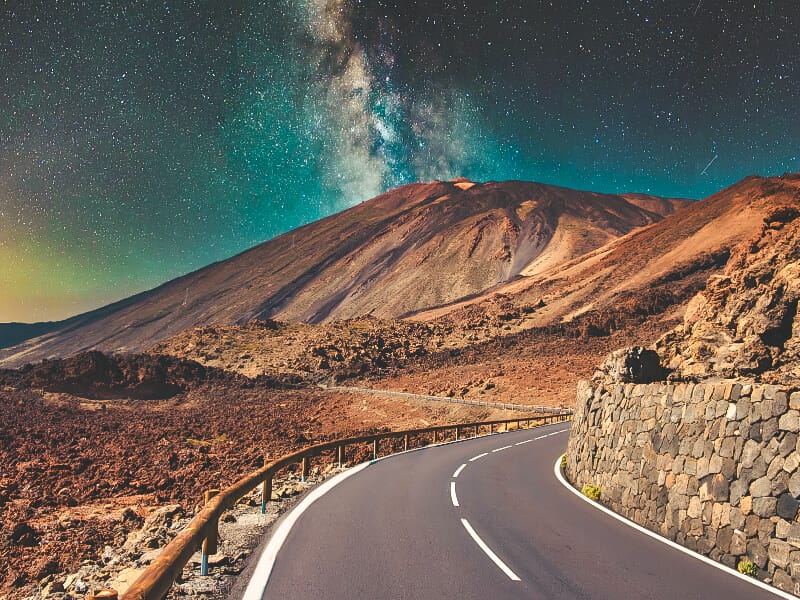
column 652, row 270
column 408, row 250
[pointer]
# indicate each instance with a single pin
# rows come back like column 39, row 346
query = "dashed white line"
column 495, row 559
column 458, row 470
column 525, row 442
column 500, row 449
column 453, row 496
column 474, row 458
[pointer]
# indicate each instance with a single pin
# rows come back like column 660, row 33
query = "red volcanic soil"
column 72, row 465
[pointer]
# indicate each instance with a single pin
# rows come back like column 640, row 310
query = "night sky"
column 142, row 140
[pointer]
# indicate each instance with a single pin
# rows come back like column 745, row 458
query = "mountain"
column 654, row 270
column 410, row 249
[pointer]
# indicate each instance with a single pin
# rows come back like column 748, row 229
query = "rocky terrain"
column 81, row 474
column 745, row 322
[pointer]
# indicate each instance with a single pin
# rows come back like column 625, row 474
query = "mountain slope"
column 418, row 246
column 654, row 268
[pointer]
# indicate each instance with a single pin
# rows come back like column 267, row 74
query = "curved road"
column 393, row 530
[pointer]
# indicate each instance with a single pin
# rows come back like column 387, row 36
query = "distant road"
column 447, row 399
column 483, row 519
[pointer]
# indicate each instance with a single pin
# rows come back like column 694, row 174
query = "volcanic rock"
column 745, row 323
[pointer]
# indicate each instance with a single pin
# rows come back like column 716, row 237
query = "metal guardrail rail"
column 449, row 400
column 202, row 530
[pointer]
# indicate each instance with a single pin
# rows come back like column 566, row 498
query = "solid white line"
column 453, row 493
column 525, row 442
column 500, row 449
column 458, row 470
column 255, row 589
column 495, row 559
column 670, row 543
column 474, row 458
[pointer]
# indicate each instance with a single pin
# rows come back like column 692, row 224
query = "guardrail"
column 202, row 530
column 448, row 399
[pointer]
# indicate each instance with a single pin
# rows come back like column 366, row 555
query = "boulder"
column 633, row 365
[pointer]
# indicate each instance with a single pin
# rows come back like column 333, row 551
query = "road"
column 393, row 530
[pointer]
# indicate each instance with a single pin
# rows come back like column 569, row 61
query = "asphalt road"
column 393, row 531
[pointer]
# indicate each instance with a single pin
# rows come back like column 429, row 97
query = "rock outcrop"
column 745, row 323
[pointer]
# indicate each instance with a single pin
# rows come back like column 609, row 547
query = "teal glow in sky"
column 142, row 140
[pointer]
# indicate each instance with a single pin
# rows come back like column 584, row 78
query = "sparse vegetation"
column 748, row 568
column 563, row 461
column 591, row 491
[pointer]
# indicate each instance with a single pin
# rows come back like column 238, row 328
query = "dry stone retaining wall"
column 711, row 466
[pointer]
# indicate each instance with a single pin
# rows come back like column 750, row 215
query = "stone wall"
column 711, row 466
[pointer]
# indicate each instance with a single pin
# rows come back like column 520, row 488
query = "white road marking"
column 453, row 493
column 474, row 458
column 670, row 543
column 503, row 448
column 525, row 442
column 255, row 589
column 458, row 470
column 495, row 559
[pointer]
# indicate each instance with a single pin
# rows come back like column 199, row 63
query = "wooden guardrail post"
column 458, row 431
column 476, row 431
column 266, row 492
column 405, row 442
column 210, row 542
column 435, row 436
column 306, row 467
column 340, row 455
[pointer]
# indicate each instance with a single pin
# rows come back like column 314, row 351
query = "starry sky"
column 142, row 140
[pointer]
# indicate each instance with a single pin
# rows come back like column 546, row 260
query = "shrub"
column 591, row 491
column 747, row 567
column 563, row 461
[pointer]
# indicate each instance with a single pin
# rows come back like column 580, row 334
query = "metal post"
column 374, row 448
column 435, row 436
column 210, row 542
column 517, row 424
column 340, row 455
column 266, row 493
column 306, row 467
column 476, row 431
column 457, row 432
column 405, row 442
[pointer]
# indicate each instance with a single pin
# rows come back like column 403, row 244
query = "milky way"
column 142, row 140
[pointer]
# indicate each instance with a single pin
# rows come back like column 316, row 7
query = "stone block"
column 788, row 444
column 783, row 581
column 746, row 505
column 727, row 448
column 766, row 531
column 787, row 506
column 738, row 543
column 761, row 487
column 790, row 421
column 794, row 484
column 782, row 529
column 757, row 553
column 779, row 553
column 695, row 509
column 794, row 401
column 764, row 507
